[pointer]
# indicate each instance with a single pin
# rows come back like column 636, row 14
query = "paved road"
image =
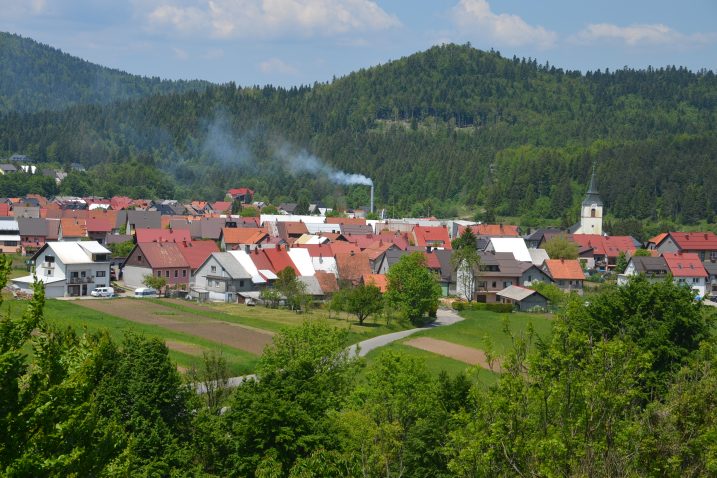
column 443, row 317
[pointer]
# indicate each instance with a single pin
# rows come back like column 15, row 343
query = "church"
column 591, row 212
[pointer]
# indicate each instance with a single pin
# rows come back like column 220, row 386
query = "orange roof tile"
column 73, row 227
column 378, row 280
column 565, row 269
column 243, row 235
column 432, row 236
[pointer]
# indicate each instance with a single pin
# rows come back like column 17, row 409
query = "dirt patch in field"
column 233, row 335
column 461, row 353
column 185, row 348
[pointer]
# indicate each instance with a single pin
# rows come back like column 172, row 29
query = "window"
column 159, row 273
column 49, row 258
column 139, row 257
column 592, row 212
column 241, row 283
column 100, row 274
column 695, row 280
column 184, row 272
column 214, row 268
column 74, row 275
column 176, row 273
column 48, row 272
column 166, row 274
column 83, row 274
column 495, row 284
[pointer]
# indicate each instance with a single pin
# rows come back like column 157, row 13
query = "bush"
column 499, row 308
column 458, row 305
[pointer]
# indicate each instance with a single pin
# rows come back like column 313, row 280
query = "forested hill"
column 438, row 129
column 36, row 77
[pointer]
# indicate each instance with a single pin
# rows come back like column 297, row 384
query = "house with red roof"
column 246, row 238
column 352, row 267
column 687, row 269
column 567, row 274
column 222, row 207
column 72, row 229
column 243, row 195
column 605, row 249
column 431, row 237
column 704, row 244
column 196, row 252
column 99, row 227
column 118, row 203
column 377, row 280
column 160, row 259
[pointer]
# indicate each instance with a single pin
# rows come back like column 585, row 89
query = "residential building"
column 603, row 250
column 496, row 271
column 653, row 268
column 223, row 276
column 687, row 269
column 161, row 259
column 69, row 269
column 567, row 274
column 431, row 237
column 33, row 233
column 704, row 244
column 9, row 235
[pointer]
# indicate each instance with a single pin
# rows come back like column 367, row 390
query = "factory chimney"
column 371, row 207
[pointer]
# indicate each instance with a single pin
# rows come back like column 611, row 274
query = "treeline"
column 625, row 386
column 37, row 77
column 439, row 129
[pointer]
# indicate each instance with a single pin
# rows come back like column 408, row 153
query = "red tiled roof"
column 240, row 192
column 341, row 247
column 352, row 267
column 432, row 261
column 327, row 282
column 4, row 210
column 685, row 264
column 432, row 236
column 243, row 235
column 658, row 238
column 222, row 206
column 565, row 269
column 610, row 246
column 695, row 241
column 378, row 280
column 75, row 213
column 100, row 224
column 120, row 202
column 161, row 255
column 162, row 235
column 73, row 227
column 493, row 230
column 280, row 260
column 196, row 252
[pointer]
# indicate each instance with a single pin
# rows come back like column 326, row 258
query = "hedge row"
column 500, row 308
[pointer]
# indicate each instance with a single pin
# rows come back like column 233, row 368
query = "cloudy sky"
column 291, row 42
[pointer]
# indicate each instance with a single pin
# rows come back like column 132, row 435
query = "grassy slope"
column 275, row 320
column 66, row 314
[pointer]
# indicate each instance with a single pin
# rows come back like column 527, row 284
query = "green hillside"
column 35, row 77
column 439, row 130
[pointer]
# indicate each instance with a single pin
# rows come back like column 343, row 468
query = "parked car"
column 145, row 292
column 102, row 292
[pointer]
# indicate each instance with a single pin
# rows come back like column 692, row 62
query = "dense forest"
column 436, row 131
column 624, row 387
column 37, row 77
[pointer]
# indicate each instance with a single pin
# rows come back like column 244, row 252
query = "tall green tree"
column 412, row 287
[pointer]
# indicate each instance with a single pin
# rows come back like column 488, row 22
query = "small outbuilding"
column 523, row 299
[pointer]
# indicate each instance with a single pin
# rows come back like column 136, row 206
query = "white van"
column 145, row 292
column 103, row 292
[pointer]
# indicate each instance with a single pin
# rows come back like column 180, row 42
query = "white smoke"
column 304, row 162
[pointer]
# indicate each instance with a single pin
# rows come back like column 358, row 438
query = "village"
column 202, row 251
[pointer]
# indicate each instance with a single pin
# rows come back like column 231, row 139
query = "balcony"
column 81, row 280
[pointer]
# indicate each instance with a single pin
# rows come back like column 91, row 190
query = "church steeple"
column 592, row 197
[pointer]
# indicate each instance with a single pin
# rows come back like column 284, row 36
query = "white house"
column 9, row 235
column 69, row 269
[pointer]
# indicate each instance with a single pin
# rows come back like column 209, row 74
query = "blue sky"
column 291, row 42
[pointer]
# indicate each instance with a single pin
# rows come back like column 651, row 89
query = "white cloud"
column 277, row 66
column 19, row 9
column 639, row 34
column 476, row 17
column 267, row 18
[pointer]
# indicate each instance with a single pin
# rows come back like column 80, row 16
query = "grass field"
column 274, row 320
column 481, row 330
column 69, row 314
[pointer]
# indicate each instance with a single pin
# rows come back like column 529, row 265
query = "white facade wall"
column 133, row 276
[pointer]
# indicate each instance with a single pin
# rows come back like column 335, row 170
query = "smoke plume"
column 298, row 162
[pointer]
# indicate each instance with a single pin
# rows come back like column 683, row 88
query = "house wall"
column 532, row 301
column 533, row 275
column 487, row 286
column 668, row 245
column 570, row 285
column 219, row 290
column 133, row 276
column 588, row 223
column 698, row 284
column 79, row 279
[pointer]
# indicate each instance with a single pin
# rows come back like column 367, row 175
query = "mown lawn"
column 67, row 314
column 485, row 330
